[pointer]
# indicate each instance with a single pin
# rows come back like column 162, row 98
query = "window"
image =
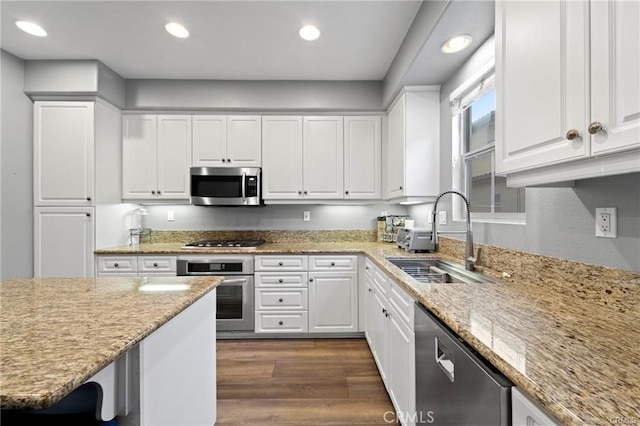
column 474, row 109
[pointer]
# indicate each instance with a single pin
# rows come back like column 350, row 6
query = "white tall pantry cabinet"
column 71, row 189
column 568, row 89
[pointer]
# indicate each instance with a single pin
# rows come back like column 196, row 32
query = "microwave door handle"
column 244, row 180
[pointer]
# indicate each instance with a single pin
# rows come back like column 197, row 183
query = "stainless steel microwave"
column 226, row 186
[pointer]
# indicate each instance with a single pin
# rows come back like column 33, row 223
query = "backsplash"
column 604, row 286
column 186, row 236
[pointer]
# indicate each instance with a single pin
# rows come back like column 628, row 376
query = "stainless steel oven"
column 235, row 306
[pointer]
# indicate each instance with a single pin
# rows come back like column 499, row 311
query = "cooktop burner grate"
column 213, row 244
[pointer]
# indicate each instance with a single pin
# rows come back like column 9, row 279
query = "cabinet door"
column 369, row 312
column 209, row 144
column 362, row 153
column 615, row 75
column 395, row 153
column 541, row 81
column 281, row 157
column 323, row 155
column 401, row 364
column 63, row 245
column 174, row 156
column 63, row 153
column 139, row 157
column 333, row 302
column 377, row 322
column 244, row 141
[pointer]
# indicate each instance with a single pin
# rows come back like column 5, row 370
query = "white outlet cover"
column 442, row 217
column 306, row 216
column 612, row 213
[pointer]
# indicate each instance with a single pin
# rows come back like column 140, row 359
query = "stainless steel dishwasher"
column 454, row 385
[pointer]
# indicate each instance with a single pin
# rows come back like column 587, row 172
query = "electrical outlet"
column 607, row 222
column 442, row 217
column 306, row 216
column 170, row 215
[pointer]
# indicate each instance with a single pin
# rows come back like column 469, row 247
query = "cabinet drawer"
column 380, row 281
column 281, row 263
column 333, row 263
column 282, row 322
column 402, row 302
column 283, row 279
column 113, row 264
column 157, row 264
column 281, row 299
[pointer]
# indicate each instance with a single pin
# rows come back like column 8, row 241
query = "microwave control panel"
column 251, row 189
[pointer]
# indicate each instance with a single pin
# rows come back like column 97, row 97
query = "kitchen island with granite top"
column 148, row 342
column 565, row 333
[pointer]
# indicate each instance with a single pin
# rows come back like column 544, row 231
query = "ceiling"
column 240, row 39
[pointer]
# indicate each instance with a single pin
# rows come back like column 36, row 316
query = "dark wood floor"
column 300, row 382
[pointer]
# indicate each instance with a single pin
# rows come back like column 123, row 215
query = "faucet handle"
column 477, row 259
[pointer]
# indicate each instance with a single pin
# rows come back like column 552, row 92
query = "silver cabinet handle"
column 279, row 263
column 280, row 323
column 115, row 265
column 310, row 280
column 153, row 192
column 594, row 127
column 88, row 198
column 444, row 359
column 333, row 263
column 572, row 134
column 280, row 280
column 155, row 265
column 224, row 160
column 280, row 300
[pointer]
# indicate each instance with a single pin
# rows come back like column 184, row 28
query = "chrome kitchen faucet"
column 470, row 260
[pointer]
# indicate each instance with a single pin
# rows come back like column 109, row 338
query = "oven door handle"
column 236, row 281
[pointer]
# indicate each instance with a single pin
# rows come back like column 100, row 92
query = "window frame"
column 471, row 90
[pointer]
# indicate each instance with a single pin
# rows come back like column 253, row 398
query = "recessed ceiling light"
column 456, row 44
column 31, row 28
column 309, row 32
column 177, row 30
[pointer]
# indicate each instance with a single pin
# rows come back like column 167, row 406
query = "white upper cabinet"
column 64, row 166
column 227, row 141
column 156, row 153
column 362, row 156
column 323, row 157
column 568, row 88
column 282, row 157
column 412, row 148
column 615, row 75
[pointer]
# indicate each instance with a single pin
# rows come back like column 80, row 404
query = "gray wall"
column 16, row 191
column 560, row 222
column 297, row 96
column 270, row 217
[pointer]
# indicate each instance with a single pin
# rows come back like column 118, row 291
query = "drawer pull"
column 333, row 263
column 310, row 280
column 280, row 280
column 280, row 263
column 370, row 290
column 115, row 265
column 155, row 265
column 280, row 323
column 280, row 300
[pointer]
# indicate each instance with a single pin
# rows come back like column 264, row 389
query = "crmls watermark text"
column 623, row 420
column 422, row 417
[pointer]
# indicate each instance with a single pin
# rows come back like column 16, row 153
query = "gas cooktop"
column 221, row 244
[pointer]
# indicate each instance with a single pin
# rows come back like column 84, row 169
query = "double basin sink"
column 428, row 270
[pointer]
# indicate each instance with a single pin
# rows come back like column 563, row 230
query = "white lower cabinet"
column 63, row 241
column 526, row 412
column 389, row 332
column 300, row 294
column 132, row 266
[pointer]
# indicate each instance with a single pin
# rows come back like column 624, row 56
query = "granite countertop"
column 567, row 334
column 55, row 333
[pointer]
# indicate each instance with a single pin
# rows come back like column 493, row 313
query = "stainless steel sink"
column 428, row 270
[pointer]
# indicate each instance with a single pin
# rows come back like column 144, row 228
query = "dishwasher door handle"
column 444, row 359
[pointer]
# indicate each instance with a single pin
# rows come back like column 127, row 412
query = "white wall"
column 16, row 190
column 560, row 222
